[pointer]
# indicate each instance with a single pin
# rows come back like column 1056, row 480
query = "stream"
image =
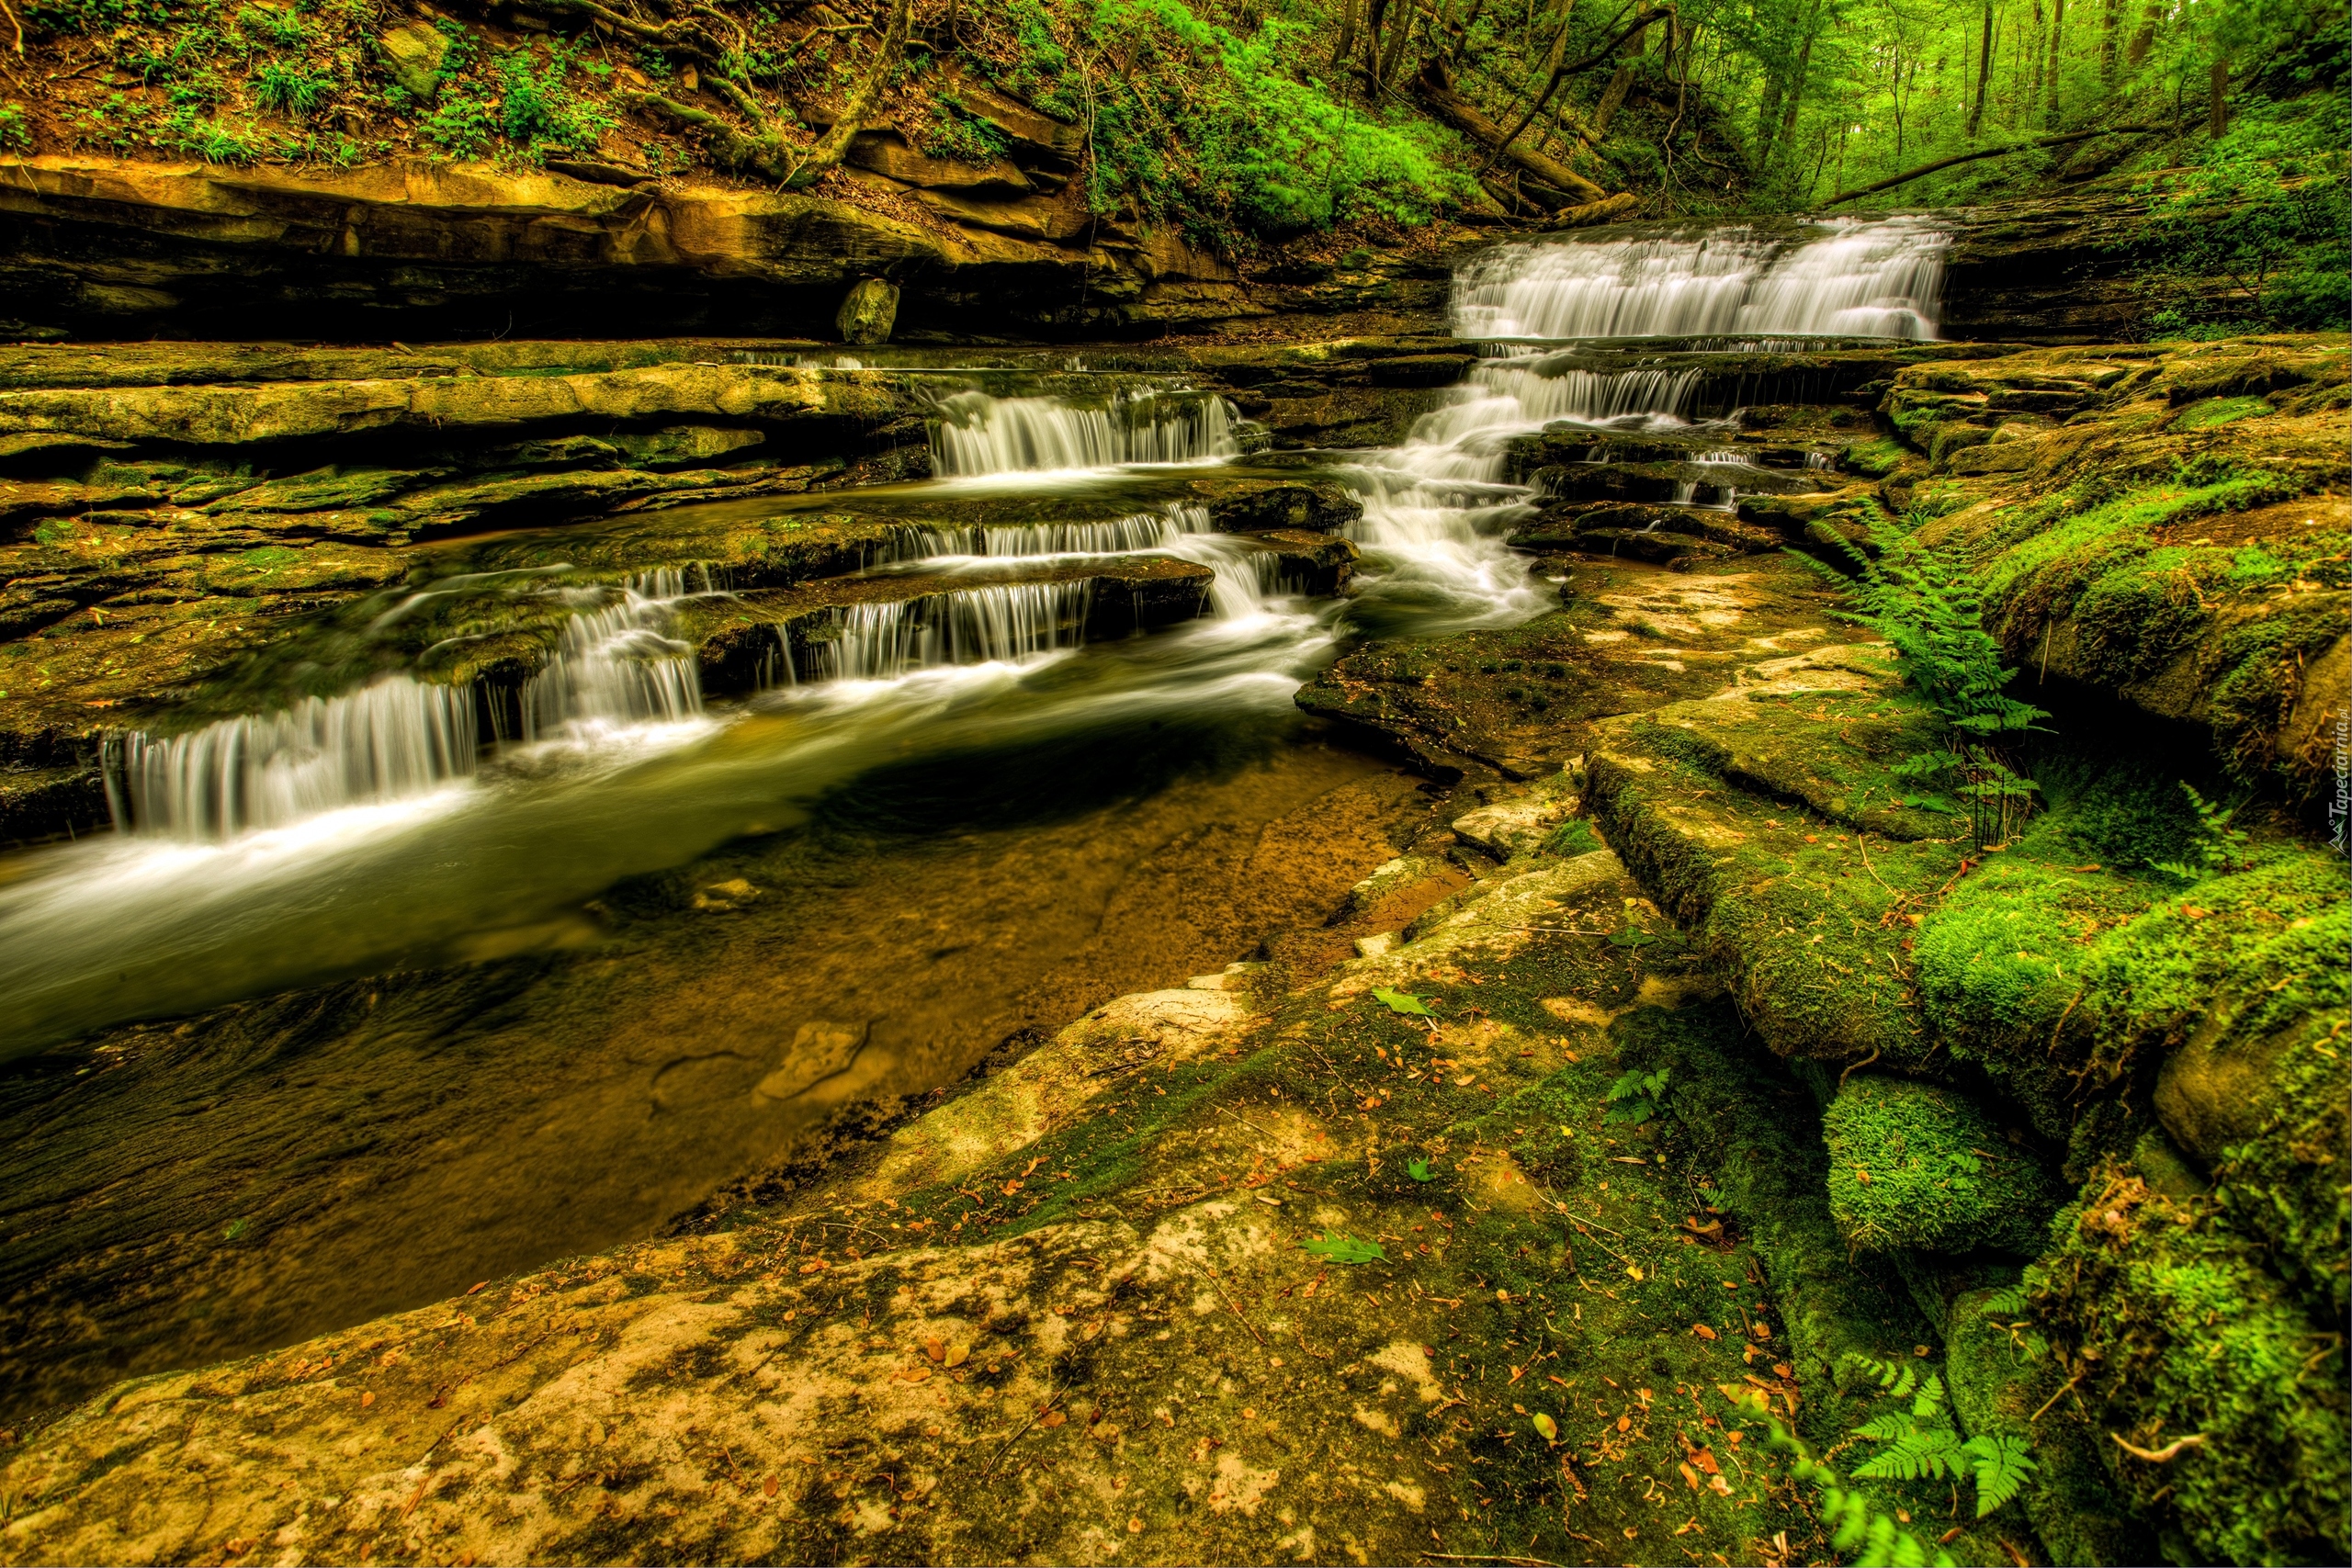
column 382, row 993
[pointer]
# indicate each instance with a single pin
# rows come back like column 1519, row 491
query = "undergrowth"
column 1921, row 602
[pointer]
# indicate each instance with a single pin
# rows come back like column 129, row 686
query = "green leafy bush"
column 1190, row 121
column 2265, row 208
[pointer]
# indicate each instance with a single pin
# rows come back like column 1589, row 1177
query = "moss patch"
column 1916, row 1164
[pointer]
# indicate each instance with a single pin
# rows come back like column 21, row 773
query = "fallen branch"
column 1606, row 211
column 1434, row 85
column 2164, row 1455
column 1910, row 175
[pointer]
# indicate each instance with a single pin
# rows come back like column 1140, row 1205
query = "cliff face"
column 94, row 247
column 107, row 248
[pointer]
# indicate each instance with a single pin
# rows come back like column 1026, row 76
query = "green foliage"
column 16, row 136
column 2215, row 848
column 1635, row 1098
column 1858, row 1524
column 1922, row 1444
column 1188, row 120
column 2264, row 206
column 955, row 133
column 1418, row 1169
column 296, row 90
column 1401, row 1002
column 1339, row 1248
column 1923, row 601
column 537, row 110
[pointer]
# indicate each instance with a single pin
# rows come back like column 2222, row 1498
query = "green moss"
column 2058, row 977
column 2175, row 1328
column 2002, row 1376
column 1574, row 837
column 1875, row 459
column 1916, row 1164
column 2218, row 411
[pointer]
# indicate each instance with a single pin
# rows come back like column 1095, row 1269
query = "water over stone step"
column 744, row 641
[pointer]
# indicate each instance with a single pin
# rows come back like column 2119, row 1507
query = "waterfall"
column 1113, row 536
column 1000, row 623
column 1861, row 279
column 615, row 664
column 398, row 737
column 975, row 433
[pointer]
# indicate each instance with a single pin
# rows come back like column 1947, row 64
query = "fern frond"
column 1927, row 1454
column 1930, row 1400
column 2001, row 1465
column 2005, row 1303
column 1887, row 1428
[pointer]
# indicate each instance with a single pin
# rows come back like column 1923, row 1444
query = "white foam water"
column 398, row 737
column 616, row 664
column 1857, row 279
column 1001, row 623
column 978, row 434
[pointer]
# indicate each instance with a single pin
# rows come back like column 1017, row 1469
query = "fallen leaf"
column 1400, row 1002
column 1702, row 1331
column 769, row 1485
column 1690, row 1476
column 934, row 1349
column 957, row 1355
column 1624, row 1422
column 1705, row 1460
column 1721, row 1486
column 1052, row 1419
column 480, row 1288
column 367, row 1399
column 1547, row 1428
column 1338, row 1249
column 1634, row 1269
column 1627, row 1159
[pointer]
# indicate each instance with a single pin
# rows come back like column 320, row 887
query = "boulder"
column 1917, row 1164
column 414, row 53
column 869, row 313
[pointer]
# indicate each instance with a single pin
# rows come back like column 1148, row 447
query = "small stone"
column 869, row 313
column 414, row 53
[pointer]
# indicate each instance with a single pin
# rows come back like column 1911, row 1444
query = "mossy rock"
column 1917, row 1164
column 2185, row 1341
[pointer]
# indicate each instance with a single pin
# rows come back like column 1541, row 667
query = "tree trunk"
column 2109, row 44
column 2057, row 38
column 2217, row 105
column 1435, row 86
column 827, row 154
column 1347, row 44
column 1398, row 38
column 2145, row 39
column 1795, row 97
column 1984, row 74
column 1614, row 95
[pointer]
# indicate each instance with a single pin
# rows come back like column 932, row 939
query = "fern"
column 2215, row 848
column 1920, row 602
column 1857, row 1522
column 1924, row 1453
column 2006, row 1302
column 1924, row 1444
column 2000, row 1465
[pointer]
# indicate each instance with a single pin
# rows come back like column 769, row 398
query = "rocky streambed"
column 1274, row 952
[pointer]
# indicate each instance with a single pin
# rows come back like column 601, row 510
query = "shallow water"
column 423, row 1017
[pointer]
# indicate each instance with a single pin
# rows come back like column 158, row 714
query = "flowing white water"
column 616, row 665
column 1864, row 279
column 978, row 434
column 1002, row 623
column 397, row 738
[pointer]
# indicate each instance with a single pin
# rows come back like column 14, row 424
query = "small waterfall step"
column 764, row 637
